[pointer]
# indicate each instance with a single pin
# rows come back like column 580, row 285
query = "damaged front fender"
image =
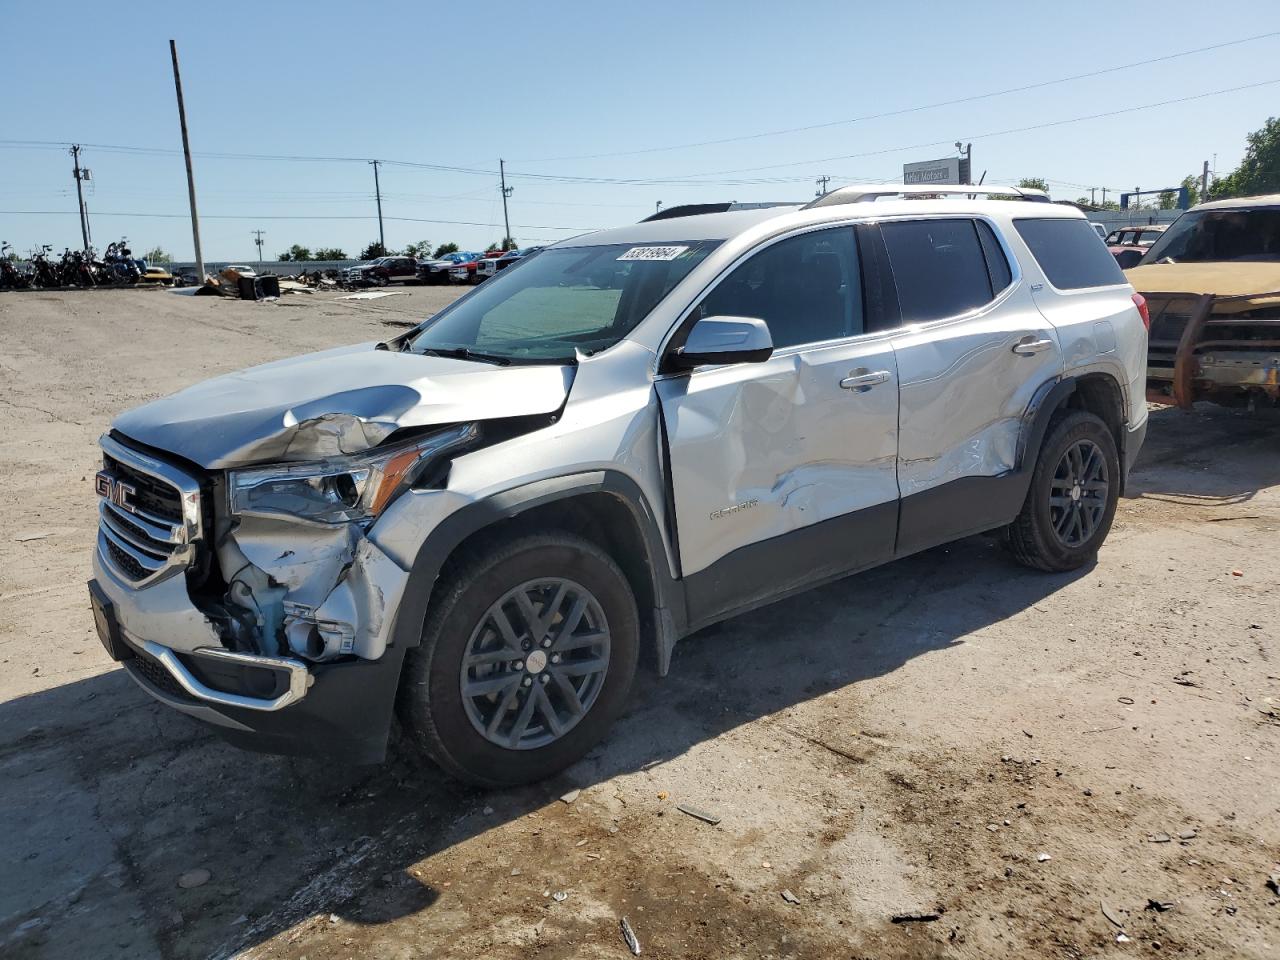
column 310, row 591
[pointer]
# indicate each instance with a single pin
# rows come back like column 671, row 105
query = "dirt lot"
column 1018, row 754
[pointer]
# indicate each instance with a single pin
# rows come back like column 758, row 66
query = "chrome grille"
column 149, row 522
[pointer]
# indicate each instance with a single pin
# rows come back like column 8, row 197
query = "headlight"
column 340, row 489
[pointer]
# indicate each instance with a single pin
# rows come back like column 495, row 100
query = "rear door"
column 1087, row 299
column 972, row 349
column 783, row 471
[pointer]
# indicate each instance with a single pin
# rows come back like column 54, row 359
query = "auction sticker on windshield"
column 653, row 253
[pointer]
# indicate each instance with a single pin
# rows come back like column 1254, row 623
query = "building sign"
column 948, row 170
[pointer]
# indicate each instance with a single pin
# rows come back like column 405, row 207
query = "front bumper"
column 339, row 710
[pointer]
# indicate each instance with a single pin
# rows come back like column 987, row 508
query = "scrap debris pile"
column 246, row 284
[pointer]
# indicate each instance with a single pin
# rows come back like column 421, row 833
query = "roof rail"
column 872, row 192
column 695, row 209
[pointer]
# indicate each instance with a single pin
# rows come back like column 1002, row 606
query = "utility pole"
column 377, row 191
column 186, row 151
column 1204, row 183
column 506, row 192
column 822, row 182
column 658, row 208
column 1093, row 196
column 1104, row 195
column 257, row 238
column 81, row 176
column 966, row 150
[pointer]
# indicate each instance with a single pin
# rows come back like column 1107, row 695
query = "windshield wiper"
column 466, row 353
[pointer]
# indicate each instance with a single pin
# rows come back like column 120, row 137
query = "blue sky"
column 552, row 86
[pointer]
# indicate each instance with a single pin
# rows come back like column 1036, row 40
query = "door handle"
column 863, row 382
column 1027, row 347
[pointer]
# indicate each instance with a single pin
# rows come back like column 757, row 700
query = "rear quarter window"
column 1069, row 253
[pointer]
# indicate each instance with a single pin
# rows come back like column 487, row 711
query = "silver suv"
column 620, row 440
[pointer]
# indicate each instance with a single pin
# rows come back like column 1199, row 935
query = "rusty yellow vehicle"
column 156, row 274
column 1212, row 286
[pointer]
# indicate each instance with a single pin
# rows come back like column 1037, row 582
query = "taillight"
column 1140, row 302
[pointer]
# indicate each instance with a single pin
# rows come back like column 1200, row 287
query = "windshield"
column 561, row 301
column 1220, row 235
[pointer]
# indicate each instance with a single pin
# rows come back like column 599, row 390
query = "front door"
column 783, row 472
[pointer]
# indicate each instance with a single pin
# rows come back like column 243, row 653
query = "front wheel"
column 1072, row 498
column 527, row 657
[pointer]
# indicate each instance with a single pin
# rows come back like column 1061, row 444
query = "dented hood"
column 334, row 402
column 1258, row 281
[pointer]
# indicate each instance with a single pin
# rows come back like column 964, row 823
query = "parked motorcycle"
column 76, row 269
column 119, row 264
column 12, row 275
column 44, row 273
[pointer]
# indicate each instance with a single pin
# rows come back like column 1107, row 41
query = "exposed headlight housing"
column 340, row 489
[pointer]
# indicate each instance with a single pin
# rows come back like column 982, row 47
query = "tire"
column 1063, row 521
column 449, row 726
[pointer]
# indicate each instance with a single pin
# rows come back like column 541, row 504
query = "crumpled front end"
column 237, row 572
column 275, row 631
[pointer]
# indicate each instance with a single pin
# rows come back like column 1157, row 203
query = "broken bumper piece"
column 229, row 679
column 343, row 714
column 340, row 709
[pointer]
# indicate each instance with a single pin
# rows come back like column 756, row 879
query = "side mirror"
column 725, row 340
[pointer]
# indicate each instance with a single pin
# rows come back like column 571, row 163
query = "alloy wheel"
column 535, row 663
column 1078, row 493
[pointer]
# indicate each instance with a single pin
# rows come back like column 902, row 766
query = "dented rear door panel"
column 965, row 386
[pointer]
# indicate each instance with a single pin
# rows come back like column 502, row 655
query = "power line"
column 999, row 133
column 694, row 179
column 255, row 216
column 906, row 110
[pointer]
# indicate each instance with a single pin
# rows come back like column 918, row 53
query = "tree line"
column 422, row 249
column 1258, row 173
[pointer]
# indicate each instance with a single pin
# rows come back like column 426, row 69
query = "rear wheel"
column 526, row 659
column 1072, row 498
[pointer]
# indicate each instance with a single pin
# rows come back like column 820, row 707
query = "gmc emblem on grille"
column 113, row 490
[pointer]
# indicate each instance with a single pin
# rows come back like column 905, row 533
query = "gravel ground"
column 1052, row 766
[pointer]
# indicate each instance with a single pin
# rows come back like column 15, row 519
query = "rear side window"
column 938, row 267
column 1069, row 253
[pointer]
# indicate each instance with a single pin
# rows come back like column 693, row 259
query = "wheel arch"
column 606, row 507
column 1096, row 392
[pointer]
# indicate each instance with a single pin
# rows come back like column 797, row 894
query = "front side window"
column 1220, row 235
column 564, row 301
column 807, row 289
column 938, row 267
